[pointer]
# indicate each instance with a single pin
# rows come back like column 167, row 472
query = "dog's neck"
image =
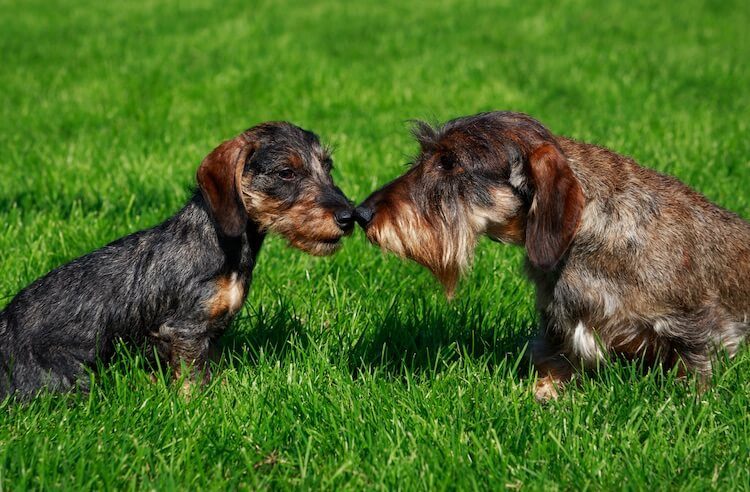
column 240, row 252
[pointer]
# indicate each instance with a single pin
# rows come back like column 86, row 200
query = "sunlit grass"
column 354, row 371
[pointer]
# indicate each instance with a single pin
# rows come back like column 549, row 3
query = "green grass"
column 354, row 371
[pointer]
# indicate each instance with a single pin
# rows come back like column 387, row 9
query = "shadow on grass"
column 271, row 335
column 426, row 339
column 418, row 338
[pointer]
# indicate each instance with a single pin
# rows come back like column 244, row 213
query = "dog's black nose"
column 363, row 216
column 344, row 218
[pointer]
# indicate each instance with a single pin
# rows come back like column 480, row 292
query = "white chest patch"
column 661, row 327
column 585, row 344
column 234, row 293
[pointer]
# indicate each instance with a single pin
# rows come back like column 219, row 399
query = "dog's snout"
column 363, row 215
column 344, row 218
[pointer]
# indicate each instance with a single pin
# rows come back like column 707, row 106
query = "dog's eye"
column 445, row 163
column 285, row 174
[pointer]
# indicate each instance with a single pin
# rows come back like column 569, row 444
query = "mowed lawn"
column 354, row 371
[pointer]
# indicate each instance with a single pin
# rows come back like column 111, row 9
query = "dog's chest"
column 595, row 316
column 583, row 308
column 230, row 291
column 585, row 343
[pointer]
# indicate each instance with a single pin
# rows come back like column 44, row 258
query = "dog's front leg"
column 553, row 368
column 186, row 347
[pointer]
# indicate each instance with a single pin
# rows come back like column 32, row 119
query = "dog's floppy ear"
column 556, row 207
column 219, row 179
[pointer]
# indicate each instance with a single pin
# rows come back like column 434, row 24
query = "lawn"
column 354, row 371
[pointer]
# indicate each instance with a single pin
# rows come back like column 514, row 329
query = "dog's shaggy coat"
column 626, row 261
column 179, row 284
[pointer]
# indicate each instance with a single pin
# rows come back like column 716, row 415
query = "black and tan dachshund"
column 179, row 284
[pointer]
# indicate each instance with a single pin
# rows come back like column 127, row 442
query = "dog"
column 178, row 285
column 626, row 261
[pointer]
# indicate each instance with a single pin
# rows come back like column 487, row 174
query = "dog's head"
column 500, row 174
column 278, row 176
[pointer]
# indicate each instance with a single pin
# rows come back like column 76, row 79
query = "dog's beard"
column 444, row 239
column 304, row 225
column 444, row 243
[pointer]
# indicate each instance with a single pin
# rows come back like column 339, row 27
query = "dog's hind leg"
column 696, row 338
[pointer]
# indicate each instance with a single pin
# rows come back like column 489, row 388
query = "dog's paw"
column 188, row 389
column 546, row 389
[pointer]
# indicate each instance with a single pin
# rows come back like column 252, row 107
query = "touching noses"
column 363, row 215
column 344, row 218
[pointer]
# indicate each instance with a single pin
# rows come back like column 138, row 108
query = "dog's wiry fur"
column 179, row 284
column 626, row 261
